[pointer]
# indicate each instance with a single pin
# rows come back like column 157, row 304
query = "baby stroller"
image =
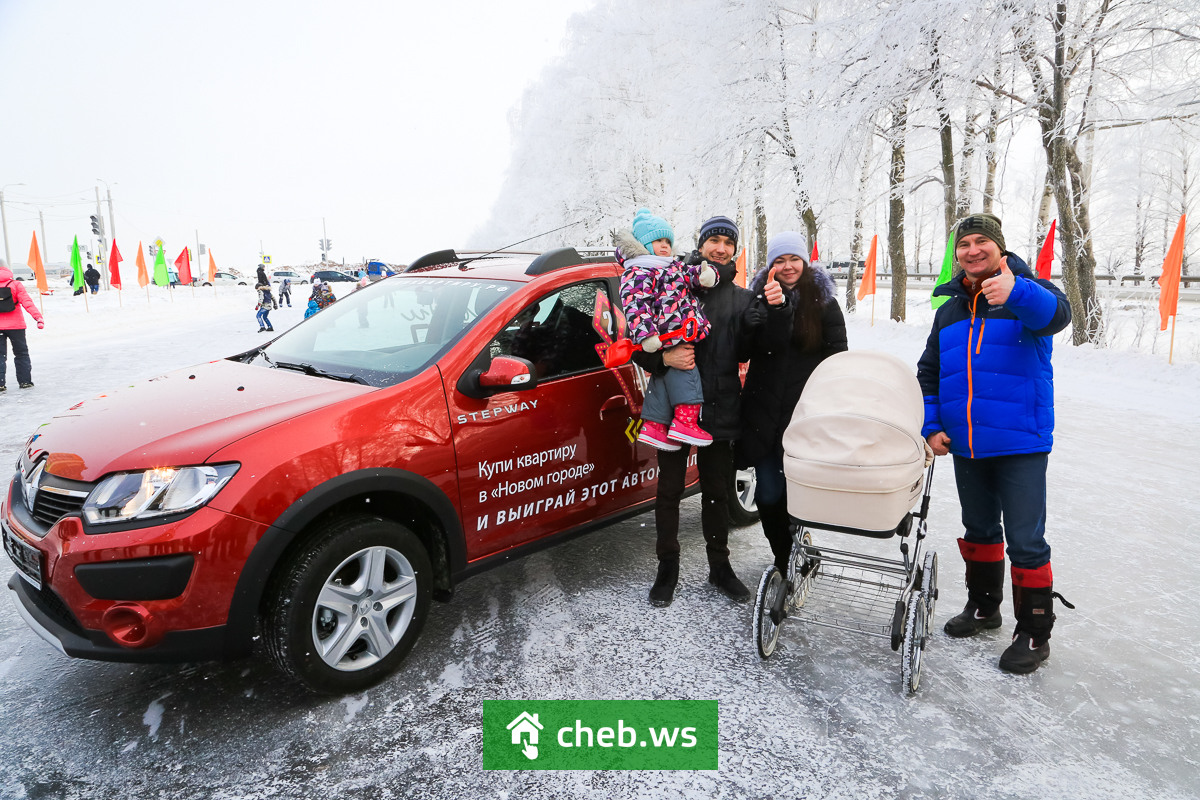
column 856, row 463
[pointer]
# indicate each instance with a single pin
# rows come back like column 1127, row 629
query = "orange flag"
column 212, row 269
column 1168, row 282
column 143, row 276
column 39, row 269
column 740, row 276
column 867, row 285
column 114, row 260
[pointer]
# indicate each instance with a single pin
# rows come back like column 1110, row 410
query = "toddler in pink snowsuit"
column 657, row 296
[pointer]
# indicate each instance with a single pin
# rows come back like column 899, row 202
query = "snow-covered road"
column 1115, row 713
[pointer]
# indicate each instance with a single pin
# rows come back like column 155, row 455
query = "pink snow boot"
column 685, row 429
column 655, row 434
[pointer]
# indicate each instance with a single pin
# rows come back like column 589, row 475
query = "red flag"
column 1046, row 256
column 1168, row 282
column 867, row 286
column 183, row 266
column 212, row 269
column 143, row 276
column 39, row 269
column 114, row 271
column 740, row 276
column 815, row 255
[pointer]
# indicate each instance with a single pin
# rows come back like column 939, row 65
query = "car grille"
column 55, row 497
column 51, row 506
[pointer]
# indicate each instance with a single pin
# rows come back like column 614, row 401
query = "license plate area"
column 26, row 557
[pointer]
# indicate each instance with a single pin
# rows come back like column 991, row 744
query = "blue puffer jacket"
column 986, row 372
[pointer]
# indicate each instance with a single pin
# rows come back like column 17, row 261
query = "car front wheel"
column 743, row 510
column 349, row 605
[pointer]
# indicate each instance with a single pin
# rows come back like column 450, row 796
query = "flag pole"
column 872, row 310
column 1171, row 350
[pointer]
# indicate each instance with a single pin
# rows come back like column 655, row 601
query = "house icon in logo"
column 525, row 733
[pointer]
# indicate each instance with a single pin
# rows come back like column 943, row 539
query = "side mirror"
column 503, row 374
column 508, row 373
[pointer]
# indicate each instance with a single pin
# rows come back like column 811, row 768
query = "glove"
column 754, row 316
column 651, row 343
column 708, row 276
column 41, row 325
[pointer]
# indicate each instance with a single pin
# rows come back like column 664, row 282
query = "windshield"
column 387, row 332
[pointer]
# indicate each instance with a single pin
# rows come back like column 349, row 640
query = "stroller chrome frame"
column 862, row 593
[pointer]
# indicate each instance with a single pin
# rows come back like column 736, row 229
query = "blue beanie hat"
column 717, row 226
column 788, row 243
column 648, row 228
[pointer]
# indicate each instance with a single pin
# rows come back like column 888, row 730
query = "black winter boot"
column 985, row 590
column 1033, row 607
column 776, row 525
column 1031, row 640
column 663, row 590
column 721, row 576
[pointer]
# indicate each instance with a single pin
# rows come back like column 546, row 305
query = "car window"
column 556, row 333
column 390, row 330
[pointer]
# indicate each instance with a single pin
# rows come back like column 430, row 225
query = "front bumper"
column 46, row 614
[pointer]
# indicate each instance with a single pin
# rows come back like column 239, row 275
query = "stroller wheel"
column 766, row 629
column 915, row 630
column 802, row 568
column 929, row 586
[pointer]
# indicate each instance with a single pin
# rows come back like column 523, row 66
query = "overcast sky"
column 252, row 121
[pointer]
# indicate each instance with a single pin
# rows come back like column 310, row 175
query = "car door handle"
column 615, row 403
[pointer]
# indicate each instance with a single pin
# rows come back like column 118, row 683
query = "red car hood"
column 179, row 418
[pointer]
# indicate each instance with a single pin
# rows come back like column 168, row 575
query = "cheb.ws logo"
column 525, row 733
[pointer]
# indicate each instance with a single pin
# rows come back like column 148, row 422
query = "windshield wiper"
column 309, row 369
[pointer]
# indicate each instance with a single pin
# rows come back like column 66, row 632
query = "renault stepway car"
column 323, row 487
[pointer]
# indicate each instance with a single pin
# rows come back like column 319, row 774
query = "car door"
column 536, row 462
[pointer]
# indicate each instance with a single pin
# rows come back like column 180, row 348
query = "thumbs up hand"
column 772, row 291
column 998, row 287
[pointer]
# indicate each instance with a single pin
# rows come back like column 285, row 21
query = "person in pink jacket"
column 12, row 326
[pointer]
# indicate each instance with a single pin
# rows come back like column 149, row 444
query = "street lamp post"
column 4, row 220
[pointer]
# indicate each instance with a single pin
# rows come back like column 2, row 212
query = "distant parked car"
column 334, row 276
column 23, row 274
column 226, row 279
column 297, row 277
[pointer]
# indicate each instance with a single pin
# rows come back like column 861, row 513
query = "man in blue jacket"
column 989, row 400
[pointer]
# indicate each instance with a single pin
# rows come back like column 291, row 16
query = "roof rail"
column 561, row 257
column 432, row 259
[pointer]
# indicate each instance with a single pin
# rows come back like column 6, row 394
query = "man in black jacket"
column 717, row 357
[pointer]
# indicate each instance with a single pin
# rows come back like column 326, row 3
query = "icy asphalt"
column 1115, row 713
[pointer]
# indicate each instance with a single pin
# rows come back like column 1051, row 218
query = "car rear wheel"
column 348, row 606
column 743, row 510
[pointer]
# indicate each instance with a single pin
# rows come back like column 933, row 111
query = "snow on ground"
column 1115, row 713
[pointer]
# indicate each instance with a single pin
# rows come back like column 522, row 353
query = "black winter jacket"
column 779, row 369
column 717, row 354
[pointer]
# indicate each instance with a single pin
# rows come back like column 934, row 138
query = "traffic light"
column 97, row 225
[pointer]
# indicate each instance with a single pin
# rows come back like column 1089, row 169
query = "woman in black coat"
column 801, row 325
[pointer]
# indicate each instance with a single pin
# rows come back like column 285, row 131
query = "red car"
column 320, row 489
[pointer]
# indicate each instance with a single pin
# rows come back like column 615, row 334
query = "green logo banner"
column 600, row 734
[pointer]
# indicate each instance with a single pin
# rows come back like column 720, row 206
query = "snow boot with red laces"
column 985, row 590
column 1033, row 600
column 685, row 427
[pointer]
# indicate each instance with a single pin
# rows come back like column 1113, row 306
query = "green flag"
column 161, row 278
column 76, row 266
column 947, row 272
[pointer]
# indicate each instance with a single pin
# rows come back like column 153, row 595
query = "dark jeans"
column 1012, row 488
column 716, row 477
column 285, row 297
column 20, row 355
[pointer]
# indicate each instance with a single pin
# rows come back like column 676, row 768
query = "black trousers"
column 21, row 360
column 715, row 463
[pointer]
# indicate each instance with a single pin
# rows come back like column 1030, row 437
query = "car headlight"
column 128, row 496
